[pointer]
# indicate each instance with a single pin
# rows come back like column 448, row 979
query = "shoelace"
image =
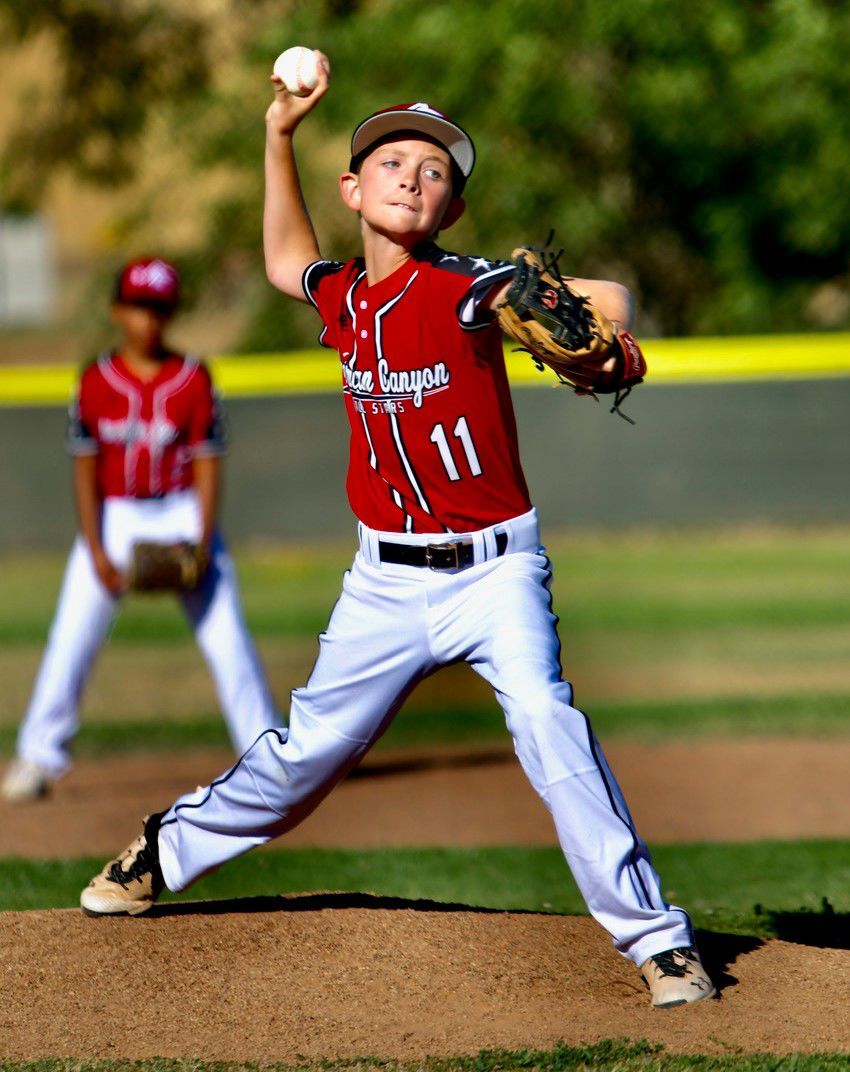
column 141, row 866
column 668, row 964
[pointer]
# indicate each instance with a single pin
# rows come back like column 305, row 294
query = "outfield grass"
column 663, row 634
column 681, row 580
column 610, row 1055
column 761, row 889
column 422, row 727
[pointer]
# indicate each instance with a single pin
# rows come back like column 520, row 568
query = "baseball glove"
column 176, row 566
column 561, row 329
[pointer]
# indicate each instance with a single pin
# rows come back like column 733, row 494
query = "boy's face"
column 404, row 190
column 141, row 325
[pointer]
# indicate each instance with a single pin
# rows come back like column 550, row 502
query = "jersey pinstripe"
column 433, row 437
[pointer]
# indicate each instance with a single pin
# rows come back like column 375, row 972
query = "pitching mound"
column 343, row 975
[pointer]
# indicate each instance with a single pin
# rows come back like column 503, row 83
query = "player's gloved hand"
column 286, row 110
column 176, row 566
column 110, row 576
column 563, row 330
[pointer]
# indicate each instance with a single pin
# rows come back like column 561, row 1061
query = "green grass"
column 760, row 889
column 667, row 616
column 767, row 611
column 415, row 727
column 674, row 633
column 771, row 580
column 610, row 1055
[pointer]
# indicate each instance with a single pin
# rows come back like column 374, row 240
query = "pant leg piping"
column 633, row 854
column 224, row 778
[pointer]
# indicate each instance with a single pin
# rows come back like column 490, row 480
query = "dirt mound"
column 330, row 975
column 714, row 790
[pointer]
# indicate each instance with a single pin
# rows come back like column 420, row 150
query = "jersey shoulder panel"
column 326, row 285
column 205, row 381
column 91, row 371
column 187, row 369
column 96, row 384
column 80, row 431
column 209, row 433
column 317, row 277
column 467, row 265
column 473, row 278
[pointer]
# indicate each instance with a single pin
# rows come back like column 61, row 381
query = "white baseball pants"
column 392, row 626
column 86, row 611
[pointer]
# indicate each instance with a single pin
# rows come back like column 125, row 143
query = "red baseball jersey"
column 433, row 435
column 145, row 433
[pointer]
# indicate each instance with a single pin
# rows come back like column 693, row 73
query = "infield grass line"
column 799, row 889
column 611, row 1055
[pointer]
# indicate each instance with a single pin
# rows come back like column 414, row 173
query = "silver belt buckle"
column 451, row 547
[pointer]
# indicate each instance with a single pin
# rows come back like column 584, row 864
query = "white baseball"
column 298, row 69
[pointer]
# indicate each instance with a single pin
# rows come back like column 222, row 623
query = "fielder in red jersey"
column 449, row 567
column 146, row 434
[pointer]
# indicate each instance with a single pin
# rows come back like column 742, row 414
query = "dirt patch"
column 336, row 976
column 716, row 790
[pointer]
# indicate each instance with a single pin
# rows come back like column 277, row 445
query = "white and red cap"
column 148, row 281
column 418, row 118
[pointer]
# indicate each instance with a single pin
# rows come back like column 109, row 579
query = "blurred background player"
column 147, row 435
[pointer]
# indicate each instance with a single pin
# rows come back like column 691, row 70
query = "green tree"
column 698, row 152
column 118, row 62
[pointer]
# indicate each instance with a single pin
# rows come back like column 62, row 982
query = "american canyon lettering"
column 397, row 383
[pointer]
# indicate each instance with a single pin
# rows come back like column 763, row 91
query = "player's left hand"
column 560, row 328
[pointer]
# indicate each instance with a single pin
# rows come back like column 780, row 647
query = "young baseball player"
column 146, row 435
column 450, row 564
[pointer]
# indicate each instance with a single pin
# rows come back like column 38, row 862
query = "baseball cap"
column 418, row 118
column 148, row 281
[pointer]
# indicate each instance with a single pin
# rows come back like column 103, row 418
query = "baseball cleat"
column 25, row 781
column 130, row 884
column 677, row 977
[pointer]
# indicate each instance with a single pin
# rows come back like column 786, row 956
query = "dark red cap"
column 418, row 118
column 148, row 281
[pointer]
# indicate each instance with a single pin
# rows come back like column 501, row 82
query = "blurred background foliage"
column 697, row 152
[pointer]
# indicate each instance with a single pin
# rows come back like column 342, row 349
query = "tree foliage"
column 698, row 152
column 117, row 62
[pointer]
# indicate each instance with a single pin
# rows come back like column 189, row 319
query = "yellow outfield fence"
column 670, row 361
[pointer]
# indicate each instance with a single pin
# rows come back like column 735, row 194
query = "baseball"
column 298, row 69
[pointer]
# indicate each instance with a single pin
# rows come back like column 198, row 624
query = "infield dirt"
column 713, row 790
column 326, row 975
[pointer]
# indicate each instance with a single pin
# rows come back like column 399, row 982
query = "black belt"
column 459, row 554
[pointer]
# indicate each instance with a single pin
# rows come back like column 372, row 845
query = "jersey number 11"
column 461, row 432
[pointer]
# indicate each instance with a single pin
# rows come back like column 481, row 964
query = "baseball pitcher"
column 450, row 565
